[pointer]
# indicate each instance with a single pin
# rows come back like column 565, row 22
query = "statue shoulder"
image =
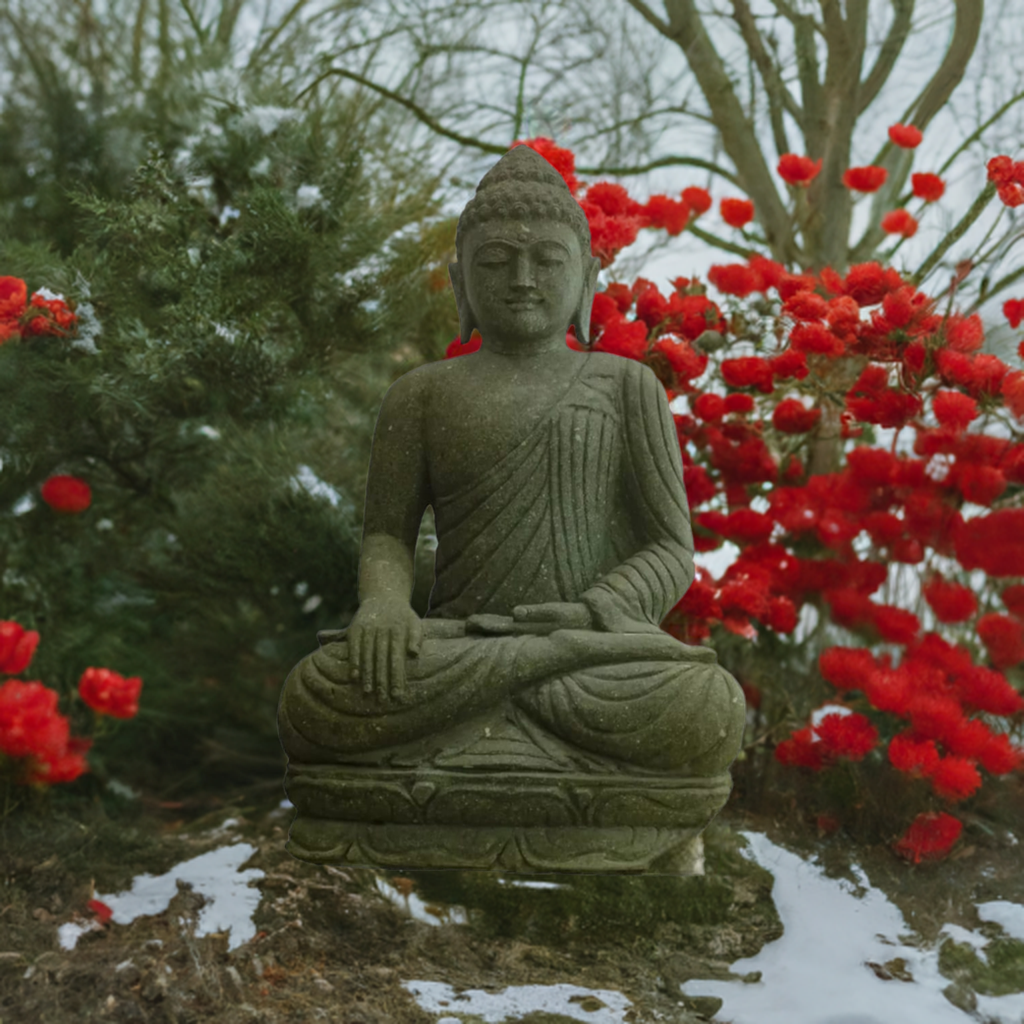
column 629, row 373
column 409, row 394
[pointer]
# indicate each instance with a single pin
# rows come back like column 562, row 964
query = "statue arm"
column 640, row 592
column 385, row 628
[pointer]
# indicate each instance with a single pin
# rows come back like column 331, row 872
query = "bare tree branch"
column 666, row 161
column 779, row 97
column 738, row 136
column 641, row 8
column 956, row 234
column 929, row 101
column 887, row 56
column 417, row 111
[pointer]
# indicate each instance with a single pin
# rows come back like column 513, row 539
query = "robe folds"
column 589, row 507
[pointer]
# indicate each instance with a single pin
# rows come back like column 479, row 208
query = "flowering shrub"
column 25, row 317
column 36, row 745
column 834, row 425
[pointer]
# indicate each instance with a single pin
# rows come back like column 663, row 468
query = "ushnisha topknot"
column 522, row 185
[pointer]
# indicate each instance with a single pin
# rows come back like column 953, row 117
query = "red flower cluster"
column 798, row 170
column 1008, row 177
column 23, row 317
column 109, row 693
column 899, row 222
column 33, row 733
column 865, row 179
column 838, row 736
column 32, row 730
column 905, row 136
column 930, row 836
column 66, row 494
column 17, row 645
column 737, row 213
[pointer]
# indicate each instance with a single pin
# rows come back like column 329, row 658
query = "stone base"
column 528, row 850
column 501, row 820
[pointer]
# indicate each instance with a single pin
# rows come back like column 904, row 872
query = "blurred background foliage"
column 252, row 270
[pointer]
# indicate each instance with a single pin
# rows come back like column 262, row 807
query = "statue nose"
column 524, row 273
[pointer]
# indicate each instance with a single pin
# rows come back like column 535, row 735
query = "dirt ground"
column 330, row 946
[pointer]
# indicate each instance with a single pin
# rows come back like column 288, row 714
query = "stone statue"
column 537, row 719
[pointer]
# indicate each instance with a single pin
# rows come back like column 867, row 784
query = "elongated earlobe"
column 467, row 322
column 581, row 318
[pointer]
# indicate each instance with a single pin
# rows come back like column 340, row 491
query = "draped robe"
column 589, row 507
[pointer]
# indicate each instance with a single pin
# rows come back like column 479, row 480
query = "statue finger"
column 536, row 612
column 366, row 659
column 415, row 638
column 382, row 654
column 397, row 668
column 355, row 646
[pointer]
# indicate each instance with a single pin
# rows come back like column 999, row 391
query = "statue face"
column 523, row 281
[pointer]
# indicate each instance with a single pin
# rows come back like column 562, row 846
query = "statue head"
column 523, row 233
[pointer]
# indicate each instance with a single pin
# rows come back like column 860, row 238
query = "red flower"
column 789, row 364
column 13, row 298
column 30, row 725
column 781, row 615
column 899, row 222
column 954, row 409
column 865, row 179
column 980, row 484
column 734, row 279
column 905, row 136
column 988, row 690
column 798, row 170
column 889, row 690
column 65, row 766
column 686, row 362
column 999, row 756
column 66, row 494
column 101, row 910
column 896, row 625
column 908, row 753
column 806, row 305
column 951, row 602
column 1000, row 170
column 612, row 199
column 698, row 199
column 791, row 417
column 847, row 668
column 1012, row 387
column 457, row 348
column 667, row 213
column 955, row 778
column 1004, row 638
column 109, row 693
column 801, row 750
column 748, row 372
column 1013, row 310
column 868, row 283
column 624, row 338
column 851, row 736
column 965, row 333
column 739, row 404
column 1013, row 598
column 561, row 159
column 737, row 212
column 929, row 837
column 816, row 339
column 17, row 645
column 699, row 486
column 928, row 187
column 1011, row 195
column 709, row 407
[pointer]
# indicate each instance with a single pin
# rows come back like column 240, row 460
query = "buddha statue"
column 537, row 718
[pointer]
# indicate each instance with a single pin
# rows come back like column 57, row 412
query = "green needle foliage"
column 245, row 298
